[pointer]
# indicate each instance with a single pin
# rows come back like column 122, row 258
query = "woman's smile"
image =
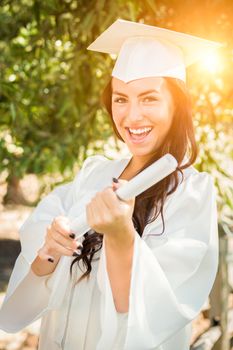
column 140, row 135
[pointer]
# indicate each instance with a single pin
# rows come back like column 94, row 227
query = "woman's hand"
column 59, row 241
column 109, row 215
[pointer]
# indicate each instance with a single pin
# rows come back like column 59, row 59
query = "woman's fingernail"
column 72, row 235
column 75, row 253
column 115, row 180
column 78, row 250
column 50, row 260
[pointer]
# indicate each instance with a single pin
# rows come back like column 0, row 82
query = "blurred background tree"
column 50, row 113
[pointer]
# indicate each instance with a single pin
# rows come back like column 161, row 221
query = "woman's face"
column 142, row 111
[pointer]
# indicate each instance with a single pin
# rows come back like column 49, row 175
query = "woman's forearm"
column 119, row 257
column 43, row 267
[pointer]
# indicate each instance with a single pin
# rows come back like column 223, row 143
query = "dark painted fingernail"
column 115, row 180
column 75, row 254
column 50, row 260
column 72, row 235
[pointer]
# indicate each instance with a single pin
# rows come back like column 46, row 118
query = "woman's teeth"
column 139, row 131
column 139, row 134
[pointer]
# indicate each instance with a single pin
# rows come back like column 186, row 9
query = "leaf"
column 12, row 111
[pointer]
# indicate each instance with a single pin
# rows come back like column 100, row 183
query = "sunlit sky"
column 211, row 62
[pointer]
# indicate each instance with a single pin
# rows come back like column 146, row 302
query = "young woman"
column 142, row 273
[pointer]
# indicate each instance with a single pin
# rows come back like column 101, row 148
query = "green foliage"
column 50, row 84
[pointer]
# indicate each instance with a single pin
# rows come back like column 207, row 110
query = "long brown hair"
column 180, row 142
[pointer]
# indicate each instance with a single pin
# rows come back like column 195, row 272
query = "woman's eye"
column 149, row 99
column 120, row 100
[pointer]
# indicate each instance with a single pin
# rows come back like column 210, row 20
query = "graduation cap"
column 148, row 51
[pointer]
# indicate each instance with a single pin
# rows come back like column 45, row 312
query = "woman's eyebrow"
column 141, row 94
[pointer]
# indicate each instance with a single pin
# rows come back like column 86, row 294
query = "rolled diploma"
column 147, row 178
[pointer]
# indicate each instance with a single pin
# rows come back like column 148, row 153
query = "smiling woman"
column 144, row 270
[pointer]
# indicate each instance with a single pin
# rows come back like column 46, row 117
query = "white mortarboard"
column 149, row 51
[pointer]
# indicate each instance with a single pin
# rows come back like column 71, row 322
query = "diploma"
column 138, row 184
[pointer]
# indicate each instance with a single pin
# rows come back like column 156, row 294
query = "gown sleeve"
column 172, row 273
column 29, row 296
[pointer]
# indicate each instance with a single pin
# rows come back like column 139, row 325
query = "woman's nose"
column 134, row 112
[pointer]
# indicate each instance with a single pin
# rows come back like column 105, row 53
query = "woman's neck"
column 132, row 168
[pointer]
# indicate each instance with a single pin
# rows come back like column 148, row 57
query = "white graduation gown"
column 172, row 273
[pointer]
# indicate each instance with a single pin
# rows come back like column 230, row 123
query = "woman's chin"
column 142, row 152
